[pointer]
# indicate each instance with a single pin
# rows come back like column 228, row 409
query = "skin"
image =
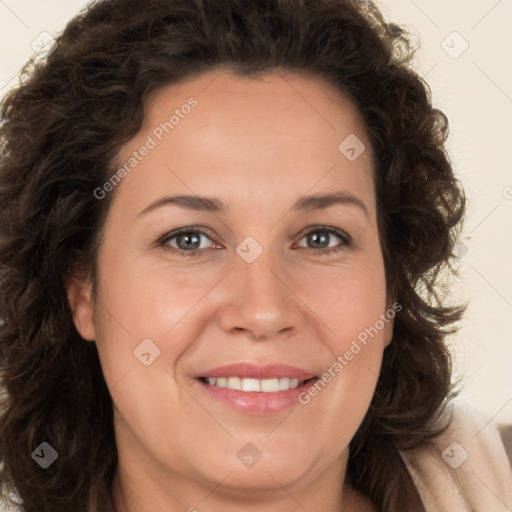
column 259, row 145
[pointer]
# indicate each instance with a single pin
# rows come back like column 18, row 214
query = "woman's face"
column 267, row 278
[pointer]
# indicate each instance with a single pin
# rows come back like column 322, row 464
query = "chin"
column 268, row 467
column 262, row 477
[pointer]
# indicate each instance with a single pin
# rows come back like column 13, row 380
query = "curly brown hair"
column 61, row 132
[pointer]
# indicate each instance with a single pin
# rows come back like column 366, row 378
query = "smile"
column 253, row 389
column 254, row 385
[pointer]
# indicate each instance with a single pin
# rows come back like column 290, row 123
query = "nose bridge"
column 261, row 284
column 261, row 300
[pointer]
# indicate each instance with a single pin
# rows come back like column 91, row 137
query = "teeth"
column 255, row 385
column 251, row 385
column 234, row 383
column 269, row 385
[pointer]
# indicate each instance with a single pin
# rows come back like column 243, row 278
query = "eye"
column 188, row 241
column 320, row 237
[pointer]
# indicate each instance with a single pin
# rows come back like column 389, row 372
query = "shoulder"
column 6, row 499
column 5, row 507
column 465, row 469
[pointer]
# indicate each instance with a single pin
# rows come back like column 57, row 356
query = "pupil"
column 314, row 238
column 188, row 237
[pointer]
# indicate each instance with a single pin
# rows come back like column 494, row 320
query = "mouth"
column 252, row 389
column 249, row 385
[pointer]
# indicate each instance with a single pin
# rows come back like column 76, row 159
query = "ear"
column 79, row 292
column 392, row 308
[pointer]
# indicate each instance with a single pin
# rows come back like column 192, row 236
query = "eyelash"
column 164, row 241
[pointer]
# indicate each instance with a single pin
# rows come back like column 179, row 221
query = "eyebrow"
column 306, row 203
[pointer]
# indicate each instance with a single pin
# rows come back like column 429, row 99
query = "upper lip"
column 253, row 371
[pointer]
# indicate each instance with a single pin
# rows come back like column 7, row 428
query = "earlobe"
column 79, row 293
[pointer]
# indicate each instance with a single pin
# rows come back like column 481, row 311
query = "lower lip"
column 257, row 402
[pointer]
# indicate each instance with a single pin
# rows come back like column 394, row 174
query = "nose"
column 261, row 301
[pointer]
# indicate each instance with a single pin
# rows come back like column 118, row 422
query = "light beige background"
column 474, row 89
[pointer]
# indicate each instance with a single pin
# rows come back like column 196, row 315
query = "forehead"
column 275, row 98
column 274, row 134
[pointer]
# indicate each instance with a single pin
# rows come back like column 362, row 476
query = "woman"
column 222, row 228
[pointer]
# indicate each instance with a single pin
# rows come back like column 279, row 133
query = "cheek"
column 352, row 305
column 145, row 310
column 150, row 300
column 348, row 299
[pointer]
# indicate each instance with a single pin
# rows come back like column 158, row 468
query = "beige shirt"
column 465, row 470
